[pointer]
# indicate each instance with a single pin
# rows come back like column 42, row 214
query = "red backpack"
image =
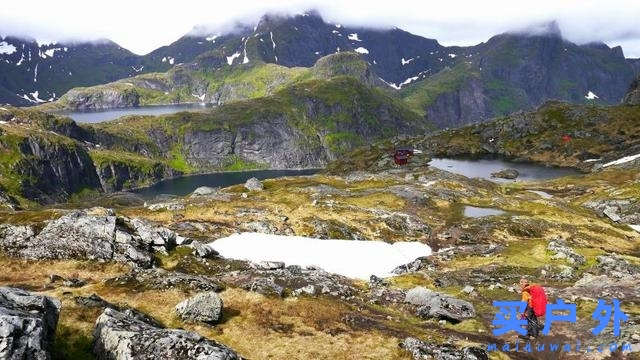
column 538, row 300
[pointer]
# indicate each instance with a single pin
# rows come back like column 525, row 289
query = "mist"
column 144, row 26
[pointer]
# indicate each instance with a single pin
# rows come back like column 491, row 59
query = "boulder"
column 254, row 184
column 120, row 336
column 562, row 251
column 421, row 350
column 432, row 304
column 89, row 234
column 506, row 174
column 27, row 324
column 268, row 265
column 204, row 307
column 264, row 286
column 204, row 191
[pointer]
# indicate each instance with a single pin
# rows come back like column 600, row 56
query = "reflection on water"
column 186, row 184
column 483, row 168
column 476, row 212
column 96, row 116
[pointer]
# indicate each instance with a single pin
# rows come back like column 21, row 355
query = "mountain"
column 48, row 158
column 449, row 86
column 513, row 72
column 33, row 73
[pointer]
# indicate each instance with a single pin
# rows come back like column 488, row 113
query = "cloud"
column 142, row 26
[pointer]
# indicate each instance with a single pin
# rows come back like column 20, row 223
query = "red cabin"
column 401, row 155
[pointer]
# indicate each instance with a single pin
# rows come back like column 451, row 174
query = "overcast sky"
column 142, row 26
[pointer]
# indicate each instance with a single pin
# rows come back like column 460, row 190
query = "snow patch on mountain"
column 591, row 96
column 232, row 57
column 6, row 48
column 273, row 43
column 353, row 37
column 212, row 38
column 405, row 62
column 361, row 50
column 623, row 160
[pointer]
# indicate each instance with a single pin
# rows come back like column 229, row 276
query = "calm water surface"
column 483, row 168
column 186, row 184
column 96, row 116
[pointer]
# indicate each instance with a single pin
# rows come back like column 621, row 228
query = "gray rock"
column 254, row 184
column 119, row 336
column 203, row 250
column 616, row 266
column 204, row 307
column 90, row 234
column 261, row 226
column 158, row 279
column 562, row 251
column 268, row 265
column 27, row 324
column 204, row 191
column 506, row 174
column 421, row 350
column 432, row 304
column 264, row 286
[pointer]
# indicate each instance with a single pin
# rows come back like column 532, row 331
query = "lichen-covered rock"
column 158, row 279
column 89, row 234
column 120, row 336
column 432, row 304
column 204, row 307
column 254, row 184
column 27, row 324
column 562, row 251
column 421, row 350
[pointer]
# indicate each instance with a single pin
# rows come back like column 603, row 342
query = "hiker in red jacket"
column 534, row 296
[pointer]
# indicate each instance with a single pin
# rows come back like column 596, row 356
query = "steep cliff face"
column 632, row 97
column 44, row 167
column 101, row 98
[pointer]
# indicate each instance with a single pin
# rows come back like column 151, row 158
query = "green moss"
column 71, row 344
column 178, row 160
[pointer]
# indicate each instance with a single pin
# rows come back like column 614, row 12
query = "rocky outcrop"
column 122, row 175
column 91, row 234
column 432, row 304
column 27, row 324
column 204, row 307
column 632, row 97
column 100, row 98
column 160, row 279
column 121, row 336
column 421, row 350
column 506, row 174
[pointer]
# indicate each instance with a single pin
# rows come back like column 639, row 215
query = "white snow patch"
column 591, row 96
column 164, row 59
column 336, row 32
column 317, row 52
column 212, row 38
column 36, row 97
column 353, row 37
column 452, row 55
column 351, row 258
column 6, row 48
column 623, row 160
column 409, row 80
column 35, row 74
column 21, row 60
column 201, row 97
column 361, row 50
column 405, row 62
column 338, row 26
column 592, row 160
column 245, row 59
column 137, row 69
column 52, row 52
column 635, row 227
column 232, row 57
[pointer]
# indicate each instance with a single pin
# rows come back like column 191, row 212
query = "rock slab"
column 120, row 336
column 204, row 307
column 27, row 324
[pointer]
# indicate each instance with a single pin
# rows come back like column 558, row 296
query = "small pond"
column 482, row 168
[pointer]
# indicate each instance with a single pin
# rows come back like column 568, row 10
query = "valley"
column 302, row 189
